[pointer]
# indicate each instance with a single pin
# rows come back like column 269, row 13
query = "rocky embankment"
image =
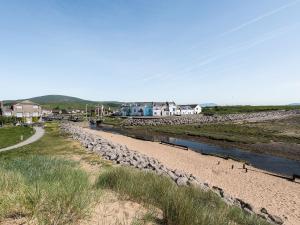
column 120, row 154
column 203, row 119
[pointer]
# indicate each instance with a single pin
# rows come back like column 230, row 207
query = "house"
column 148, row 109
column 26, row 111
column 189, row 109
column 46, row 112
column 164, row 108
column 5, row 110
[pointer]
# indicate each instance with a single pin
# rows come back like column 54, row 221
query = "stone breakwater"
column 203, row 119
column 120, row 154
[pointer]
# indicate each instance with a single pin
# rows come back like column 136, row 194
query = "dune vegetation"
column 42, row 183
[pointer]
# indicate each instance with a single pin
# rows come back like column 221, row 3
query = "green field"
column 42, row 183
column 249, row 133
column 245, row 109
column 12, row 135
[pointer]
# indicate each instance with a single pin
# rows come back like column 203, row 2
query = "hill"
column 67, row 102
column 294, row 104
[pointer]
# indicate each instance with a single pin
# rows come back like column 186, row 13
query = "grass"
column 12, row 135
column 245, row 109
column 247, row 133
column 38, row 184
column 48, row 190
column 116, row 121
column 180, row 205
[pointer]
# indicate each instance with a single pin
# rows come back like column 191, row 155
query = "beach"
column 279, row 196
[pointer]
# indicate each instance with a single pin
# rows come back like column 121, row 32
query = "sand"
column 279, row 196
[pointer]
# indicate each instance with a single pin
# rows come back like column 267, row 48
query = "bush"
column 8, row 119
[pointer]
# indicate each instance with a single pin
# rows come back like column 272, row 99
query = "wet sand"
column 279, row 196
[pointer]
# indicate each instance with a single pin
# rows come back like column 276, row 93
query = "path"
column 39, row 132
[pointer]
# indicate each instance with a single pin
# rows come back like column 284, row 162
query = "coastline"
column 279, row 196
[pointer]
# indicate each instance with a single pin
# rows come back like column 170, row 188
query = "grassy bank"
column 284, row 131
column 241, row 133
column 38, row 184
column 180, row 205
column 46, row 190
column 12, row 135
column 245, row 109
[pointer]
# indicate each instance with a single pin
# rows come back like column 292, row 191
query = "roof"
column 27, row 102
column 147, row 103
column 6, row 109
column 186, row 107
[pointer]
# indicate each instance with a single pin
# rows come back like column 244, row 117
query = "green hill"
column 68, row 102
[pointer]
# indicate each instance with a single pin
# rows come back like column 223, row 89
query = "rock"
column 263, row 210
column 172, row 175
column 243, row 204
column 182, row 181
column 276, row 219
column 218, row 191
column 179, row 173
column 248, row 211
column 193, row 183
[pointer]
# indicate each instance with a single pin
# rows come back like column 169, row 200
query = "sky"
column 222, row 51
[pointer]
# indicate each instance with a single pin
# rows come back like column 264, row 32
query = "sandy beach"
column 279, row 196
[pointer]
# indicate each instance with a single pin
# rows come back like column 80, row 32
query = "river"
column 273, row 164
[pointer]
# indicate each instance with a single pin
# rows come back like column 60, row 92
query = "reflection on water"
column 266, row 162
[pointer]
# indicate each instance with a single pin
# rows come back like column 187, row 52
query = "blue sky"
column 222, row 51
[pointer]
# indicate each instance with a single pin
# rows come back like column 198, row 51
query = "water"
column 273, row 164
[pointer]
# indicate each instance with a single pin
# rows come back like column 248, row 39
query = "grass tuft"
column 180, row 205
column 49, row 190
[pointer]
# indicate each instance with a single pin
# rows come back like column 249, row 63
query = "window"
column 19, row 115
column 19, row 107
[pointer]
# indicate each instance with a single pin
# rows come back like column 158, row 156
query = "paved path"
column 39, row 132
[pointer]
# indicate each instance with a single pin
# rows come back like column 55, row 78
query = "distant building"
column 46, row 112
column 158, row 109
column 27, row 110
column 189, row 109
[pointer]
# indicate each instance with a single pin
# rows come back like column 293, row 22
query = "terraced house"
column 158, row 109
column 26, row 110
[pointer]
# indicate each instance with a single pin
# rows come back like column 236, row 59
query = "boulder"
column 182, row 181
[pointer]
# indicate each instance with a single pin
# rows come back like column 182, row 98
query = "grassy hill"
column 68, row 102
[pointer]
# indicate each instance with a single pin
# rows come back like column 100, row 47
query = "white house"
column 164, row 108
column 158, row 109
column 189, row 109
